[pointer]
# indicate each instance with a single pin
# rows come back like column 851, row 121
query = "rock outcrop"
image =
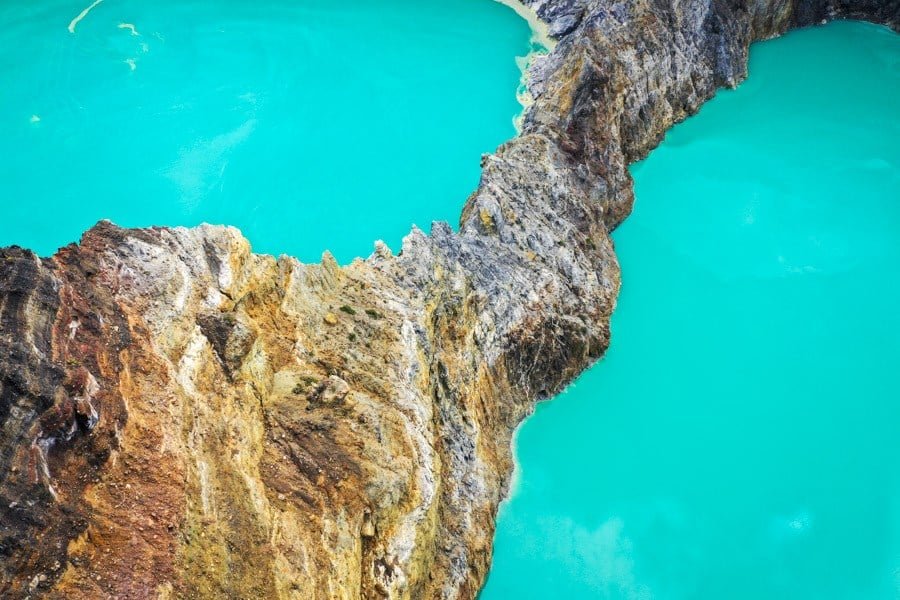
column 182, row 418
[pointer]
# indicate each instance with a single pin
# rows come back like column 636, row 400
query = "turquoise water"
column 741, row 440
column 309, row 124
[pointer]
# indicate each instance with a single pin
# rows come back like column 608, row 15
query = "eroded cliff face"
column 182, row 418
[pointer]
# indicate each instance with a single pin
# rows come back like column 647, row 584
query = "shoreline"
column 541, row 44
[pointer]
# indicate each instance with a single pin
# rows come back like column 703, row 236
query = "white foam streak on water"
column 82, row 15
column 130, row 27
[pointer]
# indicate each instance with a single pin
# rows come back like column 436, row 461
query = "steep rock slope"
column 182, row 418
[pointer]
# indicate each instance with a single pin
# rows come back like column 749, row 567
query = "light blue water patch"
column 741, row 440
column 308, row 124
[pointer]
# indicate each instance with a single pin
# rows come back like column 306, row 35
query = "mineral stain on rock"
column 183, row 418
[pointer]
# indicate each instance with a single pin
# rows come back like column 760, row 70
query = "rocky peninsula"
column 182, row 418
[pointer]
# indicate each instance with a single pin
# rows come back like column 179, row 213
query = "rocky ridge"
column 182, row 418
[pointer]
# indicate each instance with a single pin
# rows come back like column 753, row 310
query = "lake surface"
column 741, row 439
column 308, row 124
